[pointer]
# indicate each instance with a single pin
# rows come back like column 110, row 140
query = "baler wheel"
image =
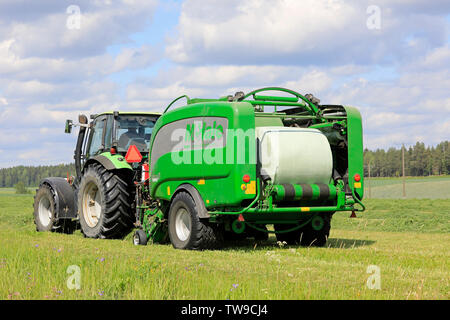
column 187, row 230
column 140, row 238
column 291, row 238
column 104, row 204
column 316, row 233
column 45, row 213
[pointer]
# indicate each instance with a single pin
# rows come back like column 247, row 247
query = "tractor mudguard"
column 199, row 203
column 64, row 197
column 110, row 162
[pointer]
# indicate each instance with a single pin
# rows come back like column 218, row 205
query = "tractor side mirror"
column 69, row 124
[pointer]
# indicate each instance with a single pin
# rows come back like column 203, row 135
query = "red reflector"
column 133, row 154
column 241, row 217
column 357, row 178
column 145, row 172
column 246, row 178
column 112, row 150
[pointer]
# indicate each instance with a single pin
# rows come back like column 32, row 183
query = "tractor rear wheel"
column 104, row 204
column 45, row 216
column 187, row 230
column 316, row 233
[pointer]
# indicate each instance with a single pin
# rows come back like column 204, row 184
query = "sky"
column 389, row 58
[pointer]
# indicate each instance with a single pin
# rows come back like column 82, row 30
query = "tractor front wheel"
column 45, row 216
column 186, row 229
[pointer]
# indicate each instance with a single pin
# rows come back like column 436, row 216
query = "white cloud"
column 315, row 82
column 57, row 69
column 170, row 92
column 102, row 24
column 397, row 76
column 299, row 32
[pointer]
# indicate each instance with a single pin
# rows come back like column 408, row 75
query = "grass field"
column 433, row 187
column 408, row 240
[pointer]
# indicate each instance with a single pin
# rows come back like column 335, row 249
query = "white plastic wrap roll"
column 295, row 155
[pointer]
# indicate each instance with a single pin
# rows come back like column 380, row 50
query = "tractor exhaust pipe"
column 83, row 120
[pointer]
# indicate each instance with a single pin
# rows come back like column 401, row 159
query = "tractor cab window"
column 134, row 130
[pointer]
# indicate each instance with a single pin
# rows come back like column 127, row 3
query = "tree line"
column 419, row 161
column 31, row 176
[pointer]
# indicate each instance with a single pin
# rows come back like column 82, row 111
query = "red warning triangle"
column 133, row 154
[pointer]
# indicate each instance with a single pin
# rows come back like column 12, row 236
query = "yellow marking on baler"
column 201, row 181
column 168, row 190
column 251, row 188
column 303, row 209
column 207, row 201
column 357, row 185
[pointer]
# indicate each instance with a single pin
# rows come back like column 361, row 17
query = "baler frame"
column 349, row 192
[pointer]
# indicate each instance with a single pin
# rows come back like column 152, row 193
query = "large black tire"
column 105, row 204
column 291, row 238
column 45, row 216
column 187, row 230
column 309, row 236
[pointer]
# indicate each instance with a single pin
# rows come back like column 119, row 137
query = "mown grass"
column 413, row 259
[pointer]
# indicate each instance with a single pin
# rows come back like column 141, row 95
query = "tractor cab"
column 111, row 134
column 120, row 132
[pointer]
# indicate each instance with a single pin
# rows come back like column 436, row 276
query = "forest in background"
column 419, row 161
column 31, row 176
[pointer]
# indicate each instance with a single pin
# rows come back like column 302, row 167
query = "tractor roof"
column 132, row 113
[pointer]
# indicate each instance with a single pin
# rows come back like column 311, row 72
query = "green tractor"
column 241, row 166
column 101, row 198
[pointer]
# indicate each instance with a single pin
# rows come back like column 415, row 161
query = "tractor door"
column 100, row 136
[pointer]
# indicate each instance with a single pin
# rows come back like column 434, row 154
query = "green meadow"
column 408, row 240
column 433, row 187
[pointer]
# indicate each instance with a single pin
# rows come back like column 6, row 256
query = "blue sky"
column 389, row 58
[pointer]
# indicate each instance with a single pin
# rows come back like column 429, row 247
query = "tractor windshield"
column 134, row 130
